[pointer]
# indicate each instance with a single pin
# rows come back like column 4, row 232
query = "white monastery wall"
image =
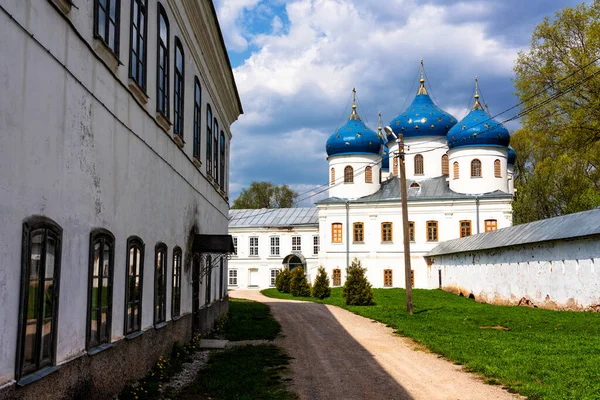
column 431, row 148
column 487, row 182
column 359, row 163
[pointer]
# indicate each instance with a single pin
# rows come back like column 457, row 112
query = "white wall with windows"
column 354, row 175
column 101, row 175
column 424, row 157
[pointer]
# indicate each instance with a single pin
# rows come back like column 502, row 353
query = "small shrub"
column 299, row 285
column 321, row 287
column 357, row 290
column 282, row 282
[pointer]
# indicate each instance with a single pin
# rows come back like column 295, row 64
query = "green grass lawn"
column 545, row 354
column 249, row 320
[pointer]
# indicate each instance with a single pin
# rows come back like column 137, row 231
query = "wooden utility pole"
column 403, row 195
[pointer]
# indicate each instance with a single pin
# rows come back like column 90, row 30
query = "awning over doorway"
column 212, row 244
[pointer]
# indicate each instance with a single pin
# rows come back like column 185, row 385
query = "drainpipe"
column 477, row 210
column 347, row 233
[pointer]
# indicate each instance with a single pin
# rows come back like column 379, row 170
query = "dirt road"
column 340, row 355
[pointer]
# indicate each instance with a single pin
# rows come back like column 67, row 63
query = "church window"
column 336, row 232
column 254, row 245
column 396, row 160
column 465, row 228
column 274, row 245
column 387, row 277
column 40, row 271
column 160, row 283
column 133, row 289
column 491, row 225
column 138, row 43
column 359, row 232
column 368, row 175
column 348, row 174
column 208, row 140
column 197, row 117
column 176, row 293
column 178, row 85
column 296, row 243
column 455, row 167
column 162, row 63
column 100, row 287
column 475, row 168
column 411, row 231
column 336, row 277
column 419, row 164
column 497, row 169
column 386, row 231
column 432, row 231
column 445, row 168
column 333, row 176
column 106, row 23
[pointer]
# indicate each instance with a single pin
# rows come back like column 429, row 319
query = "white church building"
column 460, row 182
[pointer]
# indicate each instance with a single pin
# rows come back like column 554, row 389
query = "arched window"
column 216, row 150
column 455, row 167
column 445, row 169
column 160, row 283
column 208, row 140
column 162, row 63
column 368, row 175
column 475, row 168
column 176, row 292
column 178, row 86
column 333, row 176
column 348, row 175
column 138, row 42
column 222, row 161
column 197, row 117
column 133, row 286
column 418, row 164
column 497, row 169
column 102, row 256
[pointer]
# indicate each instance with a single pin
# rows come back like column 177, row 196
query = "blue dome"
column 354, row 138
column 512, row 156
column 478, row 129
column 422, row 118
column 385, row 161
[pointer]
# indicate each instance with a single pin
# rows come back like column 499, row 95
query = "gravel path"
column 340, row 355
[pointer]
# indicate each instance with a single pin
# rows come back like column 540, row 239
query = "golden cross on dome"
column 477, row 105
column 422, row 89
column 354, row 115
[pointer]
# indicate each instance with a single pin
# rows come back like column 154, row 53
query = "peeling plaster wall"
column 559, row 275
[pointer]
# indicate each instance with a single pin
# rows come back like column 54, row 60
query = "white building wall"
column 359, row 163
column 431, row 148
column 487, row 182
column 559, row 274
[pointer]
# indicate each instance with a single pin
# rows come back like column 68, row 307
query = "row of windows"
column 419, row 168
column 358, row 230
column 274, row 245
column 336, row 277
column 41, row 267
column 233, row 277
column 476, row 169
column 106, row 28
column 349, row 175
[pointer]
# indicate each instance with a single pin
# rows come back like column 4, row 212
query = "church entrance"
column 294, row 260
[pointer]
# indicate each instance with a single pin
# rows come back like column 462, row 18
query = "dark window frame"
column 160, row 45
column 336, row 277
column 348, row 174
column 215, row 149
column 105, row 38
column 419, row 165
column 134, row 44
column 178, row 91
column 30, row 227
column 208, row 288
column 134, row 242
column 222, row 160
column 221, row 275
column 160, row 288
column 358, row 232
column 176, row 283
column 197, row 118
column 105, row 236
column 209, row 128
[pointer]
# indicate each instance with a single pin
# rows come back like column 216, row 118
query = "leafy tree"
column 299, row 285
column 357, row 290
column 282, row 282
column 265, row 195
column 558, row 147
column 321, row 287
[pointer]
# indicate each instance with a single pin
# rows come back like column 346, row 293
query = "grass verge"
column 243, row 373
column 249, row 320
column 544, row 354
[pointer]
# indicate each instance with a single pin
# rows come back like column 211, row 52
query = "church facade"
column 459, row 179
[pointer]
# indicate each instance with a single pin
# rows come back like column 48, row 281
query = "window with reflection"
column 178, row 87
column 209, row 119
column 216, row 150
column 222, row 161
column 134, row 285
column 162, row 63
column 176, row 292
column 138, row 42
column 102, row 244
column 197, row 117
column 160, row 283
column 106, row 23
column 40, row 269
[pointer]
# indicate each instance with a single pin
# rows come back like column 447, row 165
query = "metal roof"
column 580, row 224
column 429, row 189
column 277, row 217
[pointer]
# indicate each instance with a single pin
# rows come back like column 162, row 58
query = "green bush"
column 357, row 290
column 299, row 285
column 321, row 287
column 282, row 282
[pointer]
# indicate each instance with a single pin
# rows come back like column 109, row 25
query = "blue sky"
column 296, row 62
